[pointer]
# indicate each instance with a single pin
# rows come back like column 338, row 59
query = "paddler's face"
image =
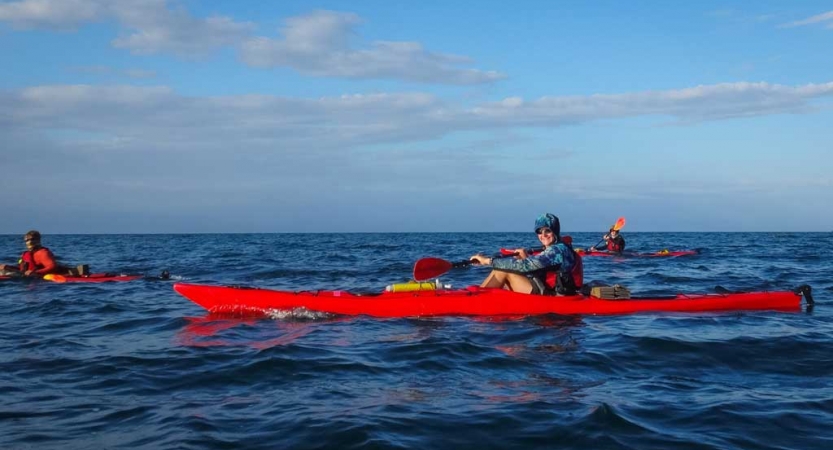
column 30, row 242
column 546, row 236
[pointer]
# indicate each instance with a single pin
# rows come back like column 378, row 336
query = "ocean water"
column 135, row 366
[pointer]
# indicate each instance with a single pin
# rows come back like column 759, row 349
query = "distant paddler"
column 614, row 242
column 37, row 260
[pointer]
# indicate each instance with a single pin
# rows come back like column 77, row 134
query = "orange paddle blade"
column 619, row 224
column 55, row 278
column 427, row 268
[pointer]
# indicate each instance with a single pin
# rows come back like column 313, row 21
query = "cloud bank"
column 317, row 44
column 161, row 118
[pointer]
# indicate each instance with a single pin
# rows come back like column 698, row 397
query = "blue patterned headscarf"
column 550, row 221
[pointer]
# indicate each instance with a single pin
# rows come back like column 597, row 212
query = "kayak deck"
column 91, row 278
column 474, row 301
column 101, row 278
column 585, row 252
column 659, row 254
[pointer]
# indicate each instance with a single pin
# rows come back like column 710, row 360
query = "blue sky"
column 161, row 116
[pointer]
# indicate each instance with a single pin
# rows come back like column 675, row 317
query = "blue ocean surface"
column 136, row 366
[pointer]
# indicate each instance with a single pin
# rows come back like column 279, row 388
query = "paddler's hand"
column 481, row 260
column 28, row 273
column 591, row 249
column 2, row 267
column 521, row 253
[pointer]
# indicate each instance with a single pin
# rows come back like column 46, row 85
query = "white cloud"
column 52, row 14
column 149, row 26
column 274, row 161
column 824, row 17
column 319, row 44
column 156, row 28
column 699, row 103
column 159, row 118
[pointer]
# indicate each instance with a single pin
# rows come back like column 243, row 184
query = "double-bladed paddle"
column 427, row 268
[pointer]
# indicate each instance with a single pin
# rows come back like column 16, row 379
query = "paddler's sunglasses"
column 543, row 231
column 29, row 240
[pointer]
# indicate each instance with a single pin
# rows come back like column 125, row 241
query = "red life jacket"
column 567, row 283
column 578, row 271
column 616, row 245
column 27, row 260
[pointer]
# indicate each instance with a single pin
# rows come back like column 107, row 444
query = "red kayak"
column 474, row 301
column 91, row 278
column 658, row 254
column 583, row 252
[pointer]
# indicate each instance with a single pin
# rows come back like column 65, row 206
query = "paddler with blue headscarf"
column 554, row 271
